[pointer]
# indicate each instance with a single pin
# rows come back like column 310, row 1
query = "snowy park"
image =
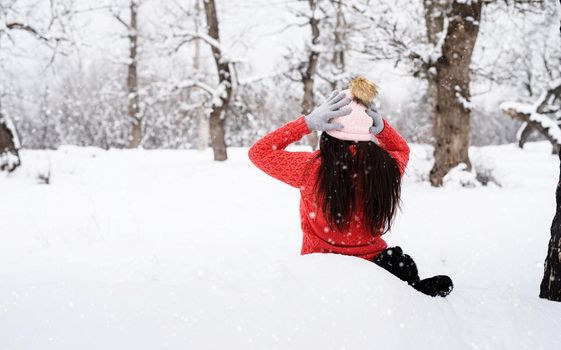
column 166, row 249
column 280, row 174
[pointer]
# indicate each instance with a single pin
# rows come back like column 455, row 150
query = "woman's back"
column 350, row 188
column 300, row 170
column 357, row 240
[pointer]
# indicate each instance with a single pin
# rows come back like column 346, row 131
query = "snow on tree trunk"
column 221, row 101
column 133, row 109
column 308, row 74
column 452, row 107
column 550, row 287
column 9, row 144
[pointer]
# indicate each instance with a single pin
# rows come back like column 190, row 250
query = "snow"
column 459, row 176
column 225, row 56
column 432, row 71
column 558, row 6
column 466, row 104
column 533, row 111
column 524, row 108
column 555, row 83
column 546, row 122
column 549, row 124
column 319, row 48
column 8, row 160
column 167, row 249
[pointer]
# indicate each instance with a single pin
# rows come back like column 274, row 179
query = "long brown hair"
column 370, row 179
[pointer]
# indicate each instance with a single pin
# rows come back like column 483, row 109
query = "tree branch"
column 27, row 28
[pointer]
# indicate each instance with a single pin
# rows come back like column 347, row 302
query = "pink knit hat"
column 356, row 125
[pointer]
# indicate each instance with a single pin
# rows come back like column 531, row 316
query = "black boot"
column 438, row 285
column 404, row 267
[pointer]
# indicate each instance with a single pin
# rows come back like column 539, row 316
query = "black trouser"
column 399, row 264
column 403, row 267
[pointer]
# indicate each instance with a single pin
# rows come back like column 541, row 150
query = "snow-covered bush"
column 461, row 177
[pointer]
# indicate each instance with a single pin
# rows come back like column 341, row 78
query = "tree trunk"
column 550, row 287
column 308, row 75
column 435, row 12
column 203, row 132
column 9, row 156
column 218, row 110
column 133, row 110
column 339, row 34
column 559, row 15
column 452, row 114
column 523, row 134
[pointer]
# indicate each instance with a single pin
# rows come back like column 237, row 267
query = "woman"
column 350, row 188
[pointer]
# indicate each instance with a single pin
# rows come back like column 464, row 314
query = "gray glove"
column 378, row 124
column 319, row 118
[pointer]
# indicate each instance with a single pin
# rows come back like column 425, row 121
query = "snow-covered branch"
column 535, row 114
column 202, row 36
column 198, row 84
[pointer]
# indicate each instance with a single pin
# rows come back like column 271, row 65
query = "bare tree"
column 339, row 34
column 133, row 98
column 434, row 24
column 225, row 73
column 309, row 70
column 451, row 31
column 559, row 15
column 550, row 287
column 328, row 35
column 9, row 141
column 540, row 76
column 449, row 79
column 339, row 31
column 9, row 145
column 218, row 96
column 534, row 65
column 132, row 78
column 203, row 134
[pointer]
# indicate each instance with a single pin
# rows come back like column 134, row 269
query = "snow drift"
column 167, row 249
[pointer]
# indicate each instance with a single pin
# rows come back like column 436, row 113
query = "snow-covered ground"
column 168, row 249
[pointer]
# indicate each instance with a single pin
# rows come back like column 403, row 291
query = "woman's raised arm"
column 395, row 145
column 269, row 153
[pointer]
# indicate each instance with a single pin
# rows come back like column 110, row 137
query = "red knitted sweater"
column 300, row 169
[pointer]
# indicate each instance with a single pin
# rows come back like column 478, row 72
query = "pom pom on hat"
column 363, row 90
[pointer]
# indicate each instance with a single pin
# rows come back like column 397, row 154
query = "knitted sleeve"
column 395, row 145
column 269, row 154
